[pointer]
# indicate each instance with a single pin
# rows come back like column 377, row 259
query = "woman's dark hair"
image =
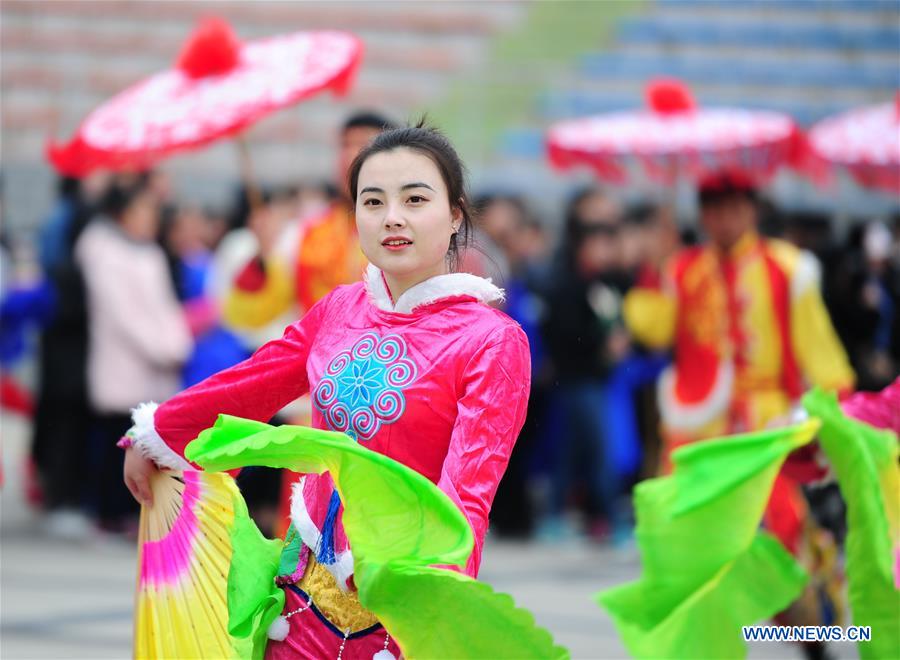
column 483, row 202
column 122, row 192
column 642, row 213
column 368, row 119
column 575, row 230
column 68, row 187
column 429, row 142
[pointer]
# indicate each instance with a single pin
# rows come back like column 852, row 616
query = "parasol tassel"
column 212, row 49
column 668, row 96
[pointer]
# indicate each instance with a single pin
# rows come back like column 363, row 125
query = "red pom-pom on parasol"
column 672, row 137
column 667, row 96
column 218, row 87
column 212, row 49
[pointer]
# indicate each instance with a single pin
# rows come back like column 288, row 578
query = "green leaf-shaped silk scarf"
column 400, row 525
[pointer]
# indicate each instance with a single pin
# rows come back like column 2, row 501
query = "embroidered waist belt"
column 342, row 609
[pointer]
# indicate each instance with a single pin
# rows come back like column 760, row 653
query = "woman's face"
column 141, row 218
column 404, row 217
column 600, row 251
column 501, row 221
column 727, row 220
column 353, row 140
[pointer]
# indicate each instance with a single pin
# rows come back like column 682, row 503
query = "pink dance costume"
column 437, row 380
column 878, row 409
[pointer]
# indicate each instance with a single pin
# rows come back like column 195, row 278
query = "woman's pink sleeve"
column 256, row 388
column 878, row 409
column 491, row 411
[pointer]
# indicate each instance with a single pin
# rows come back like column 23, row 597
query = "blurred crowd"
column 129, row 303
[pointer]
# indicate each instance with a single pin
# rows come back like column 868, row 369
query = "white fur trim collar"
column 148, row 441
column 431, row 290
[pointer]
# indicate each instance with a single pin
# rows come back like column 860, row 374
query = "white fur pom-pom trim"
column 384, row 654
column 279, row 629
column 149, row 443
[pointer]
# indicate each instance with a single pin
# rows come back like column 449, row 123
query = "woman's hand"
column 138, row 471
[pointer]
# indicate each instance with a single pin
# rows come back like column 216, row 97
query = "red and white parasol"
column 864, row 141
column 218, row 87
column 673, row 138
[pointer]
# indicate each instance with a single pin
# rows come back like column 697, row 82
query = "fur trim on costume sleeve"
column 680, row 416
column 148, row 441
column 807, row 273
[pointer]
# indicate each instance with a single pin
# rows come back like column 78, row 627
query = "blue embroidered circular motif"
column 362, row 388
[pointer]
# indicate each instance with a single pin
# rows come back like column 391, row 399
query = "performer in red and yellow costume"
column 745, row 318
column 749, row 332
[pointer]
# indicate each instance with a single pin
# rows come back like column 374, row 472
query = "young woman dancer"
column 413, row 363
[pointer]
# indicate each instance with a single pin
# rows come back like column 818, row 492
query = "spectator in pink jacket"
column 138, row 335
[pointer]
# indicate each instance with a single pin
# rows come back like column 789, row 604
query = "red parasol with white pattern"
column 672, row 138
column 218, row 87
column 864, row 141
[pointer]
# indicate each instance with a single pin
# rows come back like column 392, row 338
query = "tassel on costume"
column 384, row 654
column 279, row 629
column 325, row 555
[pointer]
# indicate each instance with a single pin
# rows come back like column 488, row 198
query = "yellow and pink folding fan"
column 185, row 552
column 190, row 548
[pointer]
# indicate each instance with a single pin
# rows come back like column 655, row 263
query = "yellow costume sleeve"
column 819, row 351
column 650, row 316
column 249, row 310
